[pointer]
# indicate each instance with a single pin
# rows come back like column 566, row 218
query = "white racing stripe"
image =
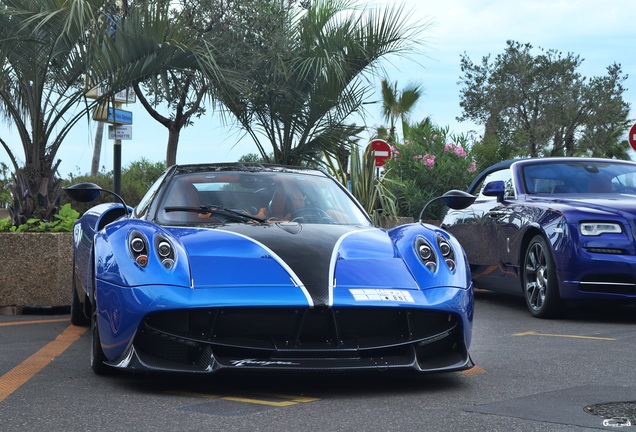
column 332, row 263
column 294, row 277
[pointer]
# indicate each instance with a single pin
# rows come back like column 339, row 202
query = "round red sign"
column 632, row 137
column 381, row 151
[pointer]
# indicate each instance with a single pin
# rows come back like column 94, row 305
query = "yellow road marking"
column 475, row 370
column 14, row 323
column 291, row 400
column 16, row 377
column 531, row 333
column 259, row 401
column 300, row 399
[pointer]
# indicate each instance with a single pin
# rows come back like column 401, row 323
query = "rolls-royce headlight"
column 598, row 228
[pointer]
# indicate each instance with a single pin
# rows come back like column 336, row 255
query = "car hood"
column 313, row 256
column 624, row 204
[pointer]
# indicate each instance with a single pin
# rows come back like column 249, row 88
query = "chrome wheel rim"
column 536, row 276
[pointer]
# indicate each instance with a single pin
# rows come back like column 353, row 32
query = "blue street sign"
column 119, row 116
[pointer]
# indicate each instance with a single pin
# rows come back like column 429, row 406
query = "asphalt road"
column 573, row 374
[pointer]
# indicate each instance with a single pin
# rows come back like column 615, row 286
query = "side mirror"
column 87, row 192
column 496, row 188
column 83, row 192
column 458, row 200
column 454, row 199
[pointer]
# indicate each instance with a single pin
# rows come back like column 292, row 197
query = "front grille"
column 611, row 251
column 186, row 336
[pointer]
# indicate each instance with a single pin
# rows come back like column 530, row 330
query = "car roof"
column 244, row 167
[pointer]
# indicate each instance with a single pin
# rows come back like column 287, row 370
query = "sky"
column 601, row 33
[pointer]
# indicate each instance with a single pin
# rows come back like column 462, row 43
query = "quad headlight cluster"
column 598, row 228
column 429, row 256
column 138, row 245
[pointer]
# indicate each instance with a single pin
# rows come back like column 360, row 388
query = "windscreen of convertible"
column 580, row 178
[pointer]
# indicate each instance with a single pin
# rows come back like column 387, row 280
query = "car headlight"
column 598, row 228
column 138, row 248
column 428, row 255
column 165, row 251
column 447, row 252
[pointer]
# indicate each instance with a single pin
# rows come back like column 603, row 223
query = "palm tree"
column 305, row 83
column 40, row 88
column 398, row 104
column 49, row 49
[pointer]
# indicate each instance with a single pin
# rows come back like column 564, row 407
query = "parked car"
column 245, row 266
column 554, row 230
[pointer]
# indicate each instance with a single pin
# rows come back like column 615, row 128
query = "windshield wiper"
column 218, row 210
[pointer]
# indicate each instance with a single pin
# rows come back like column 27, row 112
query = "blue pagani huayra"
column 227, row 266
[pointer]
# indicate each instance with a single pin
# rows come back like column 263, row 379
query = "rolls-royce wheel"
column 540, row 283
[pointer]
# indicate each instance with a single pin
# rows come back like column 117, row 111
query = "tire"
column 80, row 312
column 539, row 280
column 98, row 358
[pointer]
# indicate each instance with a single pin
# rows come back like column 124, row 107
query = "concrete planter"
column 389, row 222
column 36, row 269
column 401, row 220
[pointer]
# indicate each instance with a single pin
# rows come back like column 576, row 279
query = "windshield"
column 256, row 197
column 580, row 177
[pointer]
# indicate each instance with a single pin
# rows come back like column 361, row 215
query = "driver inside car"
column 286, row 200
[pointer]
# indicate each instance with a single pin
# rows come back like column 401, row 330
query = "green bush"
column 136, row 178
column 63, row 222
column 5, row 181
column 430, row 162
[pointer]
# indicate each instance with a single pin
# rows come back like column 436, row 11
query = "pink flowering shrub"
column 429, row 162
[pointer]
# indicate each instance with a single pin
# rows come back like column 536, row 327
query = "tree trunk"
column 36, row 193
column 97, row 149
column 173, row 143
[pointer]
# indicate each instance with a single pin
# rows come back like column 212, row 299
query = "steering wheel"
column 311, row 215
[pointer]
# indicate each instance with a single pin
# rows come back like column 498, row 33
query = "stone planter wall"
column 401, row 220
column 393, row 222
column 35, row 269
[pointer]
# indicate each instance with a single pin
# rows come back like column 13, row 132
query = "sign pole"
column 117, row 166
column 117, row 117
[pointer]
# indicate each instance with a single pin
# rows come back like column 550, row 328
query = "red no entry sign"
column 632, row 137
column 381, row 151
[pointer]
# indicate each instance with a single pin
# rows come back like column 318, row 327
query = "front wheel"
column 539, row 278
column 98, row 358
column 80, row 311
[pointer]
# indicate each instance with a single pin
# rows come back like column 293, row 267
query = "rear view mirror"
column 87, row 192
column 83, row 192
column 454, row 199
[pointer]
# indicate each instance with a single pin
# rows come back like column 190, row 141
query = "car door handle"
column 494, row 214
